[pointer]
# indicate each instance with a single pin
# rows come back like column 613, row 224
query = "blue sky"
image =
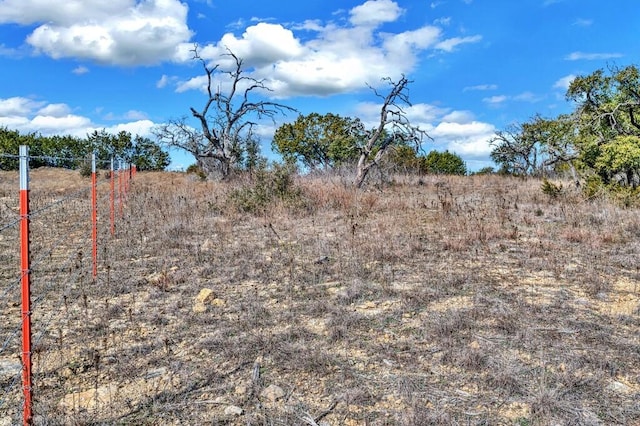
column 476, row 65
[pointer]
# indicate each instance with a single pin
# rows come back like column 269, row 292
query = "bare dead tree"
column 393, row 129
column 226, row 120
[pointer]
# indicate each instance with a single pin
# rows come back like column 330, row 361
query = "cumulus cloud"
column 375, row 12
column 331, row 58
column 454, row 130
column 26, row 116
column 467, row 138
column 18, row 106
column 54, row 110
column 260, row 45
column 115, row 32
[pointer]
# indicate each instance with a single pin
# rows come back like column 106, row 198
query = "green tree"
column 404, row 159
column 138, row 150
column 443, row 163
column 537, row 147
column 319, row 141
column 607, row 111
column 148, row 155
column 10, row 141
column 620, row 158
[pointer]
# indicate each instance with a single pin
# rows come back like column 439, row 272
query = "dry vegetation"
column 451, row 300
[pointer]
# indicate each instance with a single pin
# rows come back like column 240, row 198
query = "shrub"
column 551, row 189
column 267, row 188
column 197, row 171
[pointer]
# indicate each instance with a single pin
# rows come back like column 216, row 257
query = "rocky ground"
column 476, row 300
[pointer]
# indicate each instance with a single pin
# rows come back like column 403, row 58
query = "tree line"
column 72, row 152
column 599, row 141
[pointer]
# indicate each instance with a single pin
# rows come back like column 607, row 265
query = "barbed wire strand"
column 9, row 225
column 10, row 287
column 11, row 336
column 58, row 202
column 48, row 287
column 6, row 391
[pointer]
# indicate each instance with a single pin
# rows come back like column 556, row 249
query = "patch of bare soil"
column 474, row 300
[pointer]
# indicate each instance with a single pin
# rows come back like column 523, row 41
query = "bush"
column 443, row 163
column 197, row 171
column 267, row 188
column 551, row 189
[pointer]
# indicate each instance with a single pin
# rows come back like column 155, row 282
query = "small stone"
column 241, row 390
column 618, row 387
column 205, row 295
column 272, row 393
column 233, row 410
column 203, row 298
column 220, row 400
column 218, row 302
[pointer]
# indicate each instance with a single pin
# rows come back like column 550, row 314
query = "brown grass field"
column 441, row 301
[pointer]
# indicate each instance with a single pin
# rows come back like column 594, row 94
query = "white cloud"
column 459, row 117
column 330, row 59
column 480, row 87
column 450, row 44
column 26, row 116
column 120, row 32
column 135, row 115
column 495, row 100
column 261, row 44
column 445, row 21
column 564, row 82
column 528, row 97
column 468, row 139
column 80, row 70
column 457, row 131
column 164, row 80
column 8, row 51
column 451, row 130
column 139, row 127
column 577, row 56
column 48, row 124
column 375, row 12
column 18, row 106
column 55, row 110
column 583, row 22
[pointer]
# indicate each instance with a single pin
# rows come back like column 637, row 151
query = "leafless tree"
column 225, row 121
column 393, row 129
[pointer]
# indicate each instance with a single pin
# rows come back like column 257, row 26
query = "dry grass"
column 448, row 300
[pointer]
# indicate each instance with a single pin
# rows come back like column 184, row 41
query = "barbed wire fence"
column 54, row 258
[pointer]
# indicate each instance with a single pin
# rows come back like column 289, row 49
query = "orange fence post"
column 94, row 216
column 25, row 283
column 120, row 186
column 112, row 209
column 127, row 178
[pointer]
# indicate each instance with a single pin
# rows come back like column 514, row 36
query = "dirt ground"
column 442, row 300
